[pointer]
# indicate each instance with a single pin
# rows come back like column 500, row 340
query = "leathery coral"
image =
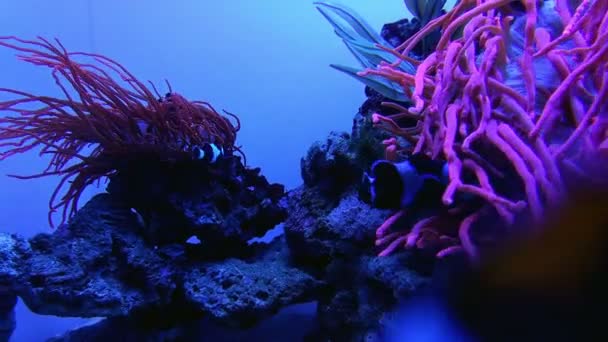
column 470, row 116
column 122, row 121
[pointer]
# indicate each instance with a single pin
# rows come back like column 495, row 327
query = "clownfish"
column 209, row 153
column 417, row 180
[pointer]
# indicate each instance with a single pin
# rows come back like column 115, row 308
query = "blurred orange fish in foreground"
column 547, row 287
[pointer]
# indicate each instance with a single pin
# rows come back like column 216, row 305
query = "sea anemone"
column 513, row 99
column 476, row 117
column 119, row 120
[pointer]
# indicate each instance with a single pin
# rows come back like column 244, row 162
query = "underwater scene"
column 397, row 170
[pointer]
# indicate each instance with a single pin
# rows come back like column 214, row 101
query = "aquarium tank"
column 398, row 170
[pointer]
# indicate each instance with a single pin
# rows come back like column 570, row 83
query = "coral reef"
column 124, row 255
column 100, row 264
column 506, row 100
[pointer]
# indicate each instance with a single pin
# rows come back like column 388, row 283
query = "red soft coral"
column 122, row 122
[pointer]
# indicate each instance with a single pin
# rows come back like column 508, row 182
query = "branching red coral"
column 120, row 121
column 466, row 107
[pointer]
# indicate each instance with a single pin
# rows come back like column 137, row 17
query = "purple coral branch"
column 461, row 100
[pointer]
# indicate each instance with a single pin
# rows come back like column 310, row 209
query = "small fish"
column 208, row 152
column 392, row 185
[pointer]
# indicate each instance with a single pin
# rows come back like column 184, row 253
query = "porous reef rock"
column 290, row 324
column 326, row 255
column 104, row 264
column 223, row 203
column 331, row 235
column 100, row 266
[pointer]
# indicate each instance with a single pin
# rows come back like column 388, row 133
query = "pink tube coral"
column 121, row 122
column 472, row 115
